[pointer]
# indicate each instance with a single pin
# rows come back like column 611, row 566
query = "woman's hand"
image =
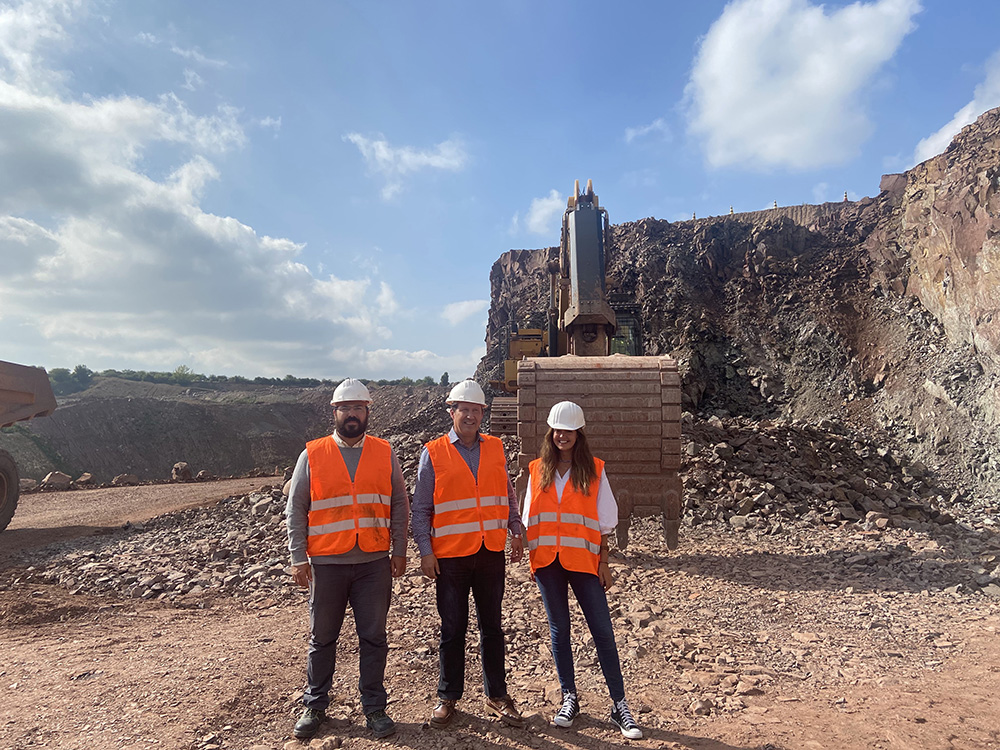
column 604, row 574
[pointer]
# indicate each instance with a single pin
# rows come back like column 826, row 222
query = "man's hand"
column 397, row 563
column 302, row 574
column 429, row 566
column 516, row 549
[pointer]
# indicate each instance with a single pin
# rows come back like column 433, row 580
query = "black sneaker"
column 569, row 711
column 621, row 717
column 379, row 722
column 308, row 723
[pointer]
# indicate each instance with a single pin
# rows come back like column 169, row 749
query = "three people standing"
column 347, row 506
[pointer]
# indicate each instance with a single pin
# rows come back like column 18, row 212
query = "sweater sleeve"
column 297, row 511
column 399, row 512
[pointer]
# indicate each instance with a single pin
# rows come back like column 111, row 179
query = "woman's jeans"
column 553, row 583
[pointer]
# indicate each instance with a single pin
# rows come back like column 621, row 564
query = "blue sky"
column 321, row 188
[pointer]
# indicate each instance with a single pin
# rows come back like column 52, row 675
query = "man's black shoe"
column 308, row 723
column 380, row 723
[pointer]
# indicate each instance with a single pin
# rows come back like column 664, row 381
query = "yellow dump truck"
column 25, row 393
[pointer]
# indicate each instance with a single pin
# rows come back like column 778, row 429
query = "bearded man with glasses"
column 347, row 504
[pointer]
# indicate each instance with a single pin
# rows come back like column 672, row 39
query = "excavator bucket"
column 633, row 411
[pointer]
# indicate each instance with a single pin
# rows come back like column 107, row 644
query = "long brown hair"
column 582, row 470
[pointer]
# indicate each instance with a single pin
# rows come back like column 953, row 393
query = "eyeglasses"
column 350, row 409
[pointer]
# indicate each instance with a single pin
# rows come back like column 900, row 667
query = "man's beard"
column 352, row 427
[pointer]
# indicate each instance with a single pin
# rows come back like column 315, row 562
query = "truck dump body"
column 25, row 393
column 633, row 411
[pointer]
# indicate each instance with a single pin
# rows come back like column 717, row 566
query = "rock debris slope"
column 880, row 315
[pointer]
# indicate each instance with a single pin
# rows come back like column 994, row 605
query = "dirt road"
column 46, row 517
column 733, row 642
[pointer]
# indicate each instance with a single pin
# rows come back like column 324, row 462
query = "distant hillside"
column 118, row 426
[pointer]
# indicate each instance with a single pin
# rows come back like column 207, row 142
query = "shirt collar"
column 454, row 438
column 340, row 441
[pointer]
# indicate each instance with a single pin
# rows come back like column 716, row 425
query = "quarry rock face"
column 879, row 315
column 950, row 234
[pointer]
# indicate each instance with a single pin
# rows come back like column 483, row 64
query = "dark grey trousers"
column 367, row 587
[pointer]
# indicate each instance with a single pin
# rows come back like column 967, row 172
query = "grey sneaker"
column 621, row 717
column 569, row 711
column 379, row 722
column 308, row 723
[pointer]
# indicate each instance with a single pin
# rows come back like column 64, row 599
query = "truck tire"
column 10, row 488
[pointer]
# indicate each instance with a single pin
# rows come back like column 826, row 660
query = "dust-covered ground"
column 832, row 637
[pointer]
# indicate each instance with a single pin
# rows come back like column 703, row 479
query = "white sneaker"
column 569, row 711
column 621, row 717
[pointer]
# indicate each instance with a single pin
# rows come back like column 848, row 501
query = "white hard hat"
column 468, row 391
column 351, row 390
column 566, row 416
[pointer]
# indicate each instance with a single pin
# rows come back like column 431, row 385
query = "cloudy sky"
column 320, row 188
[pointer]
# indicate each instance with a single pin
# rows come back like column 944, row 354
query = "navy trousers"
column 554, row 582
column 483, row 574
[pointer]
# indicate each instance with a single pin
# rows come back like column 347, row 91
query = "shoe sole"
column 563, row 723
column 383, row 733
column 509, row 721
column 625, row 732
column 442, row 723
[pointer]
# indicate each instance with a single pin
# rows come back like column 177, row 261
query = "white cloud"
column 986, row 96
column 658, row 128
column 780, row 82
column 192, row 81
column 456, row 312
column 270, row 123
column 196, row 55
column 25, row 28
column 106, row 265
column 544, row 214
column 395, row 163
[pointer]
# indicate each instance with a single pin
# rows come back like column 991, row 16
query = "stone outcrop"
column 878, row 314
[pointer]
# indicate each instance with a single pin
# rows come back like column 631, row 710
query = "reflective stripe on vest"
column 569, row 528
column 343, row 513
column 468, row 511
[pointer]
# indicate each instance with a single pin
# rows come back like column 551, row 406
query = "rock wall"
column 881, row 314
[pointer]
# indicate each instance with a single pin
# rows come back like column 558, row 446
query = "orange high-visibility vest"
column 468, row 511
column 342, row 512
column 569, row 529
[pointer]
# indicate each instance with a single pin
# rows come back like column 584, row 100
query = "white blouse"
column 607, row 506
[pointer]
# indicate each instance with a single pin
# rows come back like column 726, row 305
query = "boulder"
column 57, row 480
column 125, row 480
column 181, row 472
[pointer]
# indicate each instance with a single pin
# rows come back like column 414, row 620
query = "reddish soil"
column 851, row 667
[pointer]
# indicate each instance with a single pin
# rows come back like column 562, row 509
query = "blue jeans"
column 483, row 574
column 553, row 583
column 367, row 587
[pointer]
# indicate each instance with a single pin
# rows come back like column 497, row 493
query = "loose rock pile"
column 757, row 480
column 772, row 475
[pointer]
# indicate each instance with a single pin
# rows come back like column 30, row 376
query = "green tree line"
column 65, row 381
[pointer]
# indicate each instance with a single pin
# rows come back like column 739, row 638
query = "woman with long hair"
column 569, row 511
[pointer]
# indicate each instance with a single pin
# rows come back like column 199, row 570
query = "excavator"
column 25, row 393
column 632, row 402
